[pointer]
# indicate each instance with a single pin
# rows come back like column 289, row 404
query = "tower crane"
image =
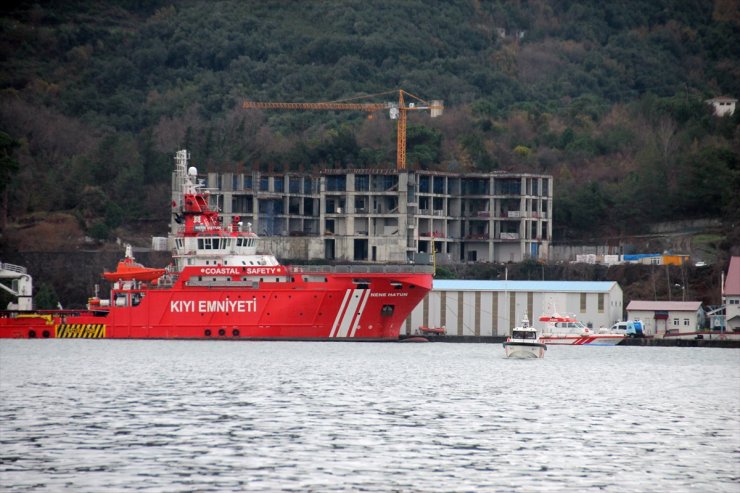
column 397, row 111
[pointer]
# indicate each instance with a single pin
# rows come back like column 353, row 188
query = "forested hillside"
column 606, row 96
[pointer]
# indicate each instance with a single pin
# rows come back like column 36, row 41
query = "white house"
column 658, row 317
column 722, row 105
column 731, row 296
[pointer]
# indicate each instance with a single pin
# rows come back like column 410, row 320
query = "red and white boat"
column 566, row 330
column 220, row 287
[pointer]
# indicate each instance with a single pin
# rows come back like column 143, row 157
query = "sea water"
column 171, row 416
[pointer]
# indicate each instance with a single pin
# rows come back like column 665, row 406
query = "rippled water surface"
column 289, row 416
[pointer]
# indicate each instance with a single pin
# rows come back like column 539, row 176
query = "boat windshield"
column 524, row 334
column 570, row 325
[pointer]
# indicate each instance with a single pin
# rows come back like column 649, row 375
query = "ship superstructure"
column 220, row 285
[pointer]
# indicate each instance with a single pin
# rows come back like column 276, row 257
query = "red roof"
column 732, row 281
column 659, row 306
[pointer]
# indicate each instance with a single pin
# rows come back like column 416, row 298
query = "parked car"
column 630, row 328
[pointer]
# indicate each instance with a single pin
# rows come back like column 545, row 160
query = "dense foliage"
column 606, row 96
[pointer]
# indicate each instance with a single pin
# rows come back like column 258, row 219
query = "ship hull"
column 337, row 308
column 582, row 340
column 524, row 350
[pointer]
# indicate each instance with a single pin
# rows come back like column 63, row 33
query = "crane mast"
column 397, row 110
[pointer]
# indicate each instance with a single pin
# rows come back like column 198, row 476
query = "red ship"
column 220, row 287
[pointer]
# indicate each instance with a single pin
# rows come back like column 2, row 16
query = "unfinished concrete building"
column 380, row 215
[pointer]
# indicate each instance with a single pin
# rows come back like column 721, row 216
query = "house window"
column 686, row 322
column 583, row 302
column 675, row 322
column 601, row 302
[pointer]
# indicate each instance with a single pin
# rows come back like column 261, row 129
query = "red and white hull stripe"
column 348, row 318
column 595, row 340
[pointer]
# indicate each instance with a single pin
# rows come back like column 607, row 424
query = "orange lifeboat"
column 130, row 270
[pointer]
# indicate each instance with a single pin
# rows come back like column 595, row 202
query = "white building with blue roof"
column 492, row 308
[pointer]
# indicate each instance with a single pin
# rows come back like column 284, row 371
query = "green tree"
column 114, row 215
column 46, row 297
column 8, row 164
column 423, row 145
column 709, row 181
column 99, row 231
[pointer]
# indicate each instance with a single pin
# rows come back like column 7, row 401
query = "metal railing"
column 13, row 268
column 362, row 268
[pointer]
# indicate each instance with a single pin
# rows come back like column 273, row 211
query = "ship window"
column 362, row 283
column 396, row 285
column 387, row 310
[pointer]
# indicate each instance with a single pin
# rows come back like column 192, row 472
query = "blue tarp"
column 638, row 256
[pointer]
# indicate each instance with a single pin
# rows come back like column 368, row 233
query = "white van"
column 630, row 328
column 620, row 327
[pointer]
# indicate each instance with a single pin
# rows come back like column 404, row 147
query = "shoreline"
column 645, row 341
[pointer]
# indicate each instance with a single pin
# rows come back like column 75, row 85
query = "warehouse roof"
column 541, row 286
column 674, row 306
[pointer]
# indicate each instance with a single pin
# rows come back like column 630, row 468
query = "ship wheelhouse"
column 229, row 249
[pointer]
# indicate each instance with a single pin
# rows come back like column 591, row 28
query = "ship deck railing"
column 169, row 280
column 362, row 268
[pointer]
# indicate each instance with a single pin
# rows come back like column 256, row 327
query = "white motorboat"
column 524, row 342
